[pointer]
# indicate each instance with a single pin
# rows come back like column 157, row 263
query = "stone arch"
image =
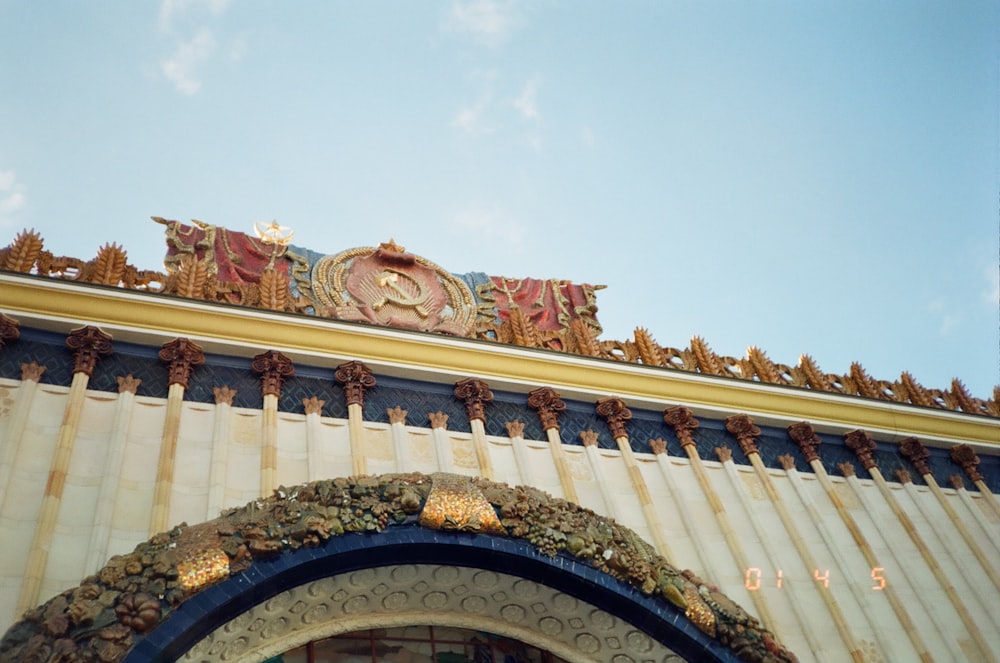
column 230, row 577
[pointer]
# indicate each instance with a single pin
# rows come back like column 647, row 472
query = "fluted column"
column 397, row 428
column 313, row 408
column 221, row 433
column 808, row 442
column 659, row 448
column 741, row 426
column 476, row 395
column 515, row 429
column 442, row 445
column 613, row 410
column 589, row 440
column 356, row 379
column 549, row 406
column 965, row 457
column 683, row 422
column 30, row 375
column 100, row 534
column 862, row 445
column 274, row 368
column 918, row 455
column 181, row 357
column 992, row 533
column 89, row 344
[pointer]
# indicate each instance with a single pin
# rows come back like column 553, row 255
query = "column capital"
column 745, row 432
column 515, row 428
column 397, row 415
column 916, row 453
column 181, row 356
column 224, row 395
column 615, row 412
column 805, row 436
column 683, row 423
column 10, row 329
column 546, row 400
column 862, row 445
column 476, row 394
column 589, row 438
column 357, row 378
column 273, row 368
column 128, row 383
column 88, row 345
column 965, row 457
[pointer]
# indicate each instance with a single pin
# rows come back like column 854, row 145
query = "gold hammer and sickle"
column 392, row 292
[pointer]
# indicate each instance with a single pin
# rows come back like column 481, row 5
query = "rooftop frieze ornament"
column 273, row 368
column 614, row 411
column 357, row 379
column 683, row 423
column 476, row 395
column 916, row 453
column 181, row 356
column 88, row 345
column 745, row 432
column 965, row 457
column 10, row 329
column 862, row 445
column 805, row 436
column 549, row 406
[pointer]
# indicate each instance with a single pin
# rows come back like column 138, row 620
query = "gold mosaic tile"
column 202, row 569
column 455, row 503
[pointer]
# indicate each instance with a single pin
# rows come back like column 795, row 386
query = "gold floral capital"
column 224, row 395
column 903, row 476
column 916, row 453
column 313, row 405
column 273, row 368
column 181, row 355
column 549, row 406
column 683, row 422
column 743, row 429
column 32, row 371
column 658, row 445
column 965, row 457
column 10, row 329
column 476, row 395
column 862, row 445
column 615, row 412
column 515, row 428
column 589, row 438
column 847, row 469
column 724, row 454
column 397, row 415
column 438, row 419
column 356, row 378
column 128, row 383
column 805, row 436
column 88, row 344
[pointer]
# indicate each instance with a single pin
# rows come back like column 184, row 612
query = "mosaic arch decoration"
column 173, row 590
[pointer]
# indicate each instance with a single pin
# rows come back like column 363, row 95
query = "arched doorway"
column 345, row 555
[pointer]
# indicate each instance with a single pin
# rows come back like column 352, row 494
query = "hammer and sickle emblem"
column 388, row 280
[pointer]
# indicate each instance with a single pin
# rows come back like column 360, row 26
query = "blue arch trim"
column 218, row 604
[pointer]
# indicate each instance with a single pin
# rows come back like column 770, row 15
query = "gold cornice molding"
column 146, row 318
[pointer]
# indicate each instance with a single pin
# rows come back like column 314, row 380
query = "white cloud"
column 170, row 10
column 182, row 68
column 491, row 224
column 489, row 21
column 12, row 197
column 527, row 102
column 992, row 292
column 587, row 137
column 237, row 49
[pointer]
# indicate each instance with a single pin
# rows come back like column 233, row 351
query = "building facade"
column 270, row 453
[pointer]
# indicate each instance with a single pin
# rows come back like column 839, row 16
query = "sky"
column 806, row 177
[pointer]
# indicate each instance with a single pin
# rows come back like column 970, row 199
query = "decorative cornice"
column 136, row 316
column 181, row 356
column 128, row 384
column 683, row 423
column 515, row 428
column 273, row 367
column 745, row 432
column 10, row 329
column 397, row 415
column 589, row 438
column 916, row 453
column 862, row 445
column 658, row 445
column 807, row 439
column 88, row 344
column 357, row 378
column 32, row 371
column 313, row 405
column 438, row 419
column 476, row 395
column 614, row 411
column 546, row 400
column 224, row 395
column 965, row 457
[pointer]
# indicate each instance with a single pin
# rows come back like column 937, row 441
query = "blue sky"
column 806, row 177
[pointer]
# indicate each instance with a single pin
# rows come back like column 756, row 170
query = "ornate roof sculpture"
column 391, row 287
